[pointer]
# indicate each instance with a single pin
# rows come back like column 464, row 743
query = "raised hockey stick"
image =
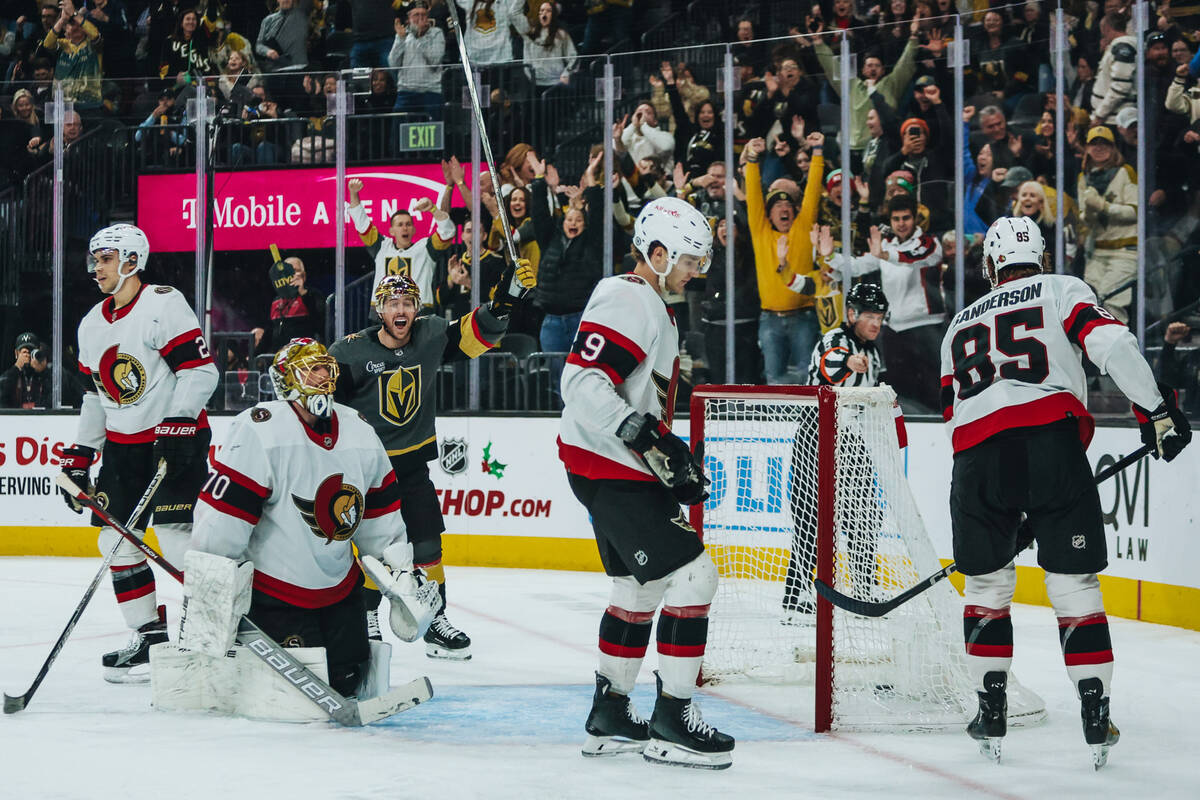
column 350, row 713
column 14, row 704
column 866, row 608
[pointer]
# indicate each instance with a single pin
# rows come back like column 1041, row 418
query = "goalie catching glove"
column 667, row 456
column 76, row 464
column 516, row 282
column 1166, row 429
column 414, row 599
column 216, row 595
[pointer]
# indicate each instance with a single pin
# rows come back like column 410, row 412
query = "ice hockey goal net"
column 806, row 479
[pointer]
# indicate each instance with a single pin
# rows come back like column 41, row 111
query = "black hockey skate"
column 613, row 725
column 443, row 640
column 679, row 736
column 991, row 723
column 131, row 664
column 1098, row 729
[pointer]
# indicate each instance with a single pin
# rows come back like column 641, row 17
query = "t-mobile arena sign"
column 293, row 208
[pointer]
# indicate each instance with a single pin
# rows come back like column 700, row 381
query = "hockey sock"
column 988, row 634
column 1087, row 648
column 624, row 637
column 134, row 586
column 682, row 635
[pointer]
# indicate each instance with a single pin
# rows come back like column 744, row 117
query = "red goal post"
column 811, row 480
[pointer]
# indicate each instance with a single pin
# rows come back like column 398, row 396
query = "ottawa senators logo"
column 335, row 512
column 400, row 395
column 665, row 388
column 121, row 377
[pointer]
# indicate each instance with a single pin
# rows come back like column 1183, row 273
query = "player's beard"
column 398, row 328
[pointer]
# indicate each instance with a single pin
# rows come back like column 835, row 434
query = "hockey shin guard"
column 682, row 636
column 1082, row 627
column 133, row 581
column 987, row 626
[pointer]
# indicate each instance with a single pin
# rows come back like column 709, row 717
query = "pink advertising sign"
column 293, row 208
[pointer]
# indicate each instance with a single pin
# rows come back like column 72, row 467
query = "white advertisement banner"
column 500, row 476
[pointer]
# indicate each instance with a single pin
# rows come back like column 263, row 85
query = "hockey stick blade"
column 14, row 704
column 865, row 608
column 402, row 698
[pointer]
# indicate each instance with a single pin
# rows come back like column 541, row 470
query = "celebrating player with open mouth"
column 632, row 474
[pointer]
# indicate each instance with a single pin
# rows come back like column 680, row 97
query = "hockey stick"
column 14, row 704
column 350, row 713
column 514, row 288
column 866, row 608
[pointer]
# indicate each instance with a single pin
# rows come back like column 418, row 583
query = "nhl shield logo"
column 453, row 456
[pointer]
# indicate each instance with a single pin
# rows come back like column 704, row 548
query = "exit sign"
column 421, row 136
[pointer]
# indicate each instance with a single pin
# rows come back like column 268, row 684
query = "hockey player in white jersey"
column 632, row 474
column 143, row 349
column 1013, row 396
column 289, row 487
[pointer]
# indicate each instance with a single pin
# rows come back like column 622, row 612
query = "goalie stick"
column 351, row 713
column 14, row 704
column 866, row 608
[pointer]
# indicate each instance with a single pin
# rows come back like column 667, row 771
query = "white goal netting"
column 906, row 670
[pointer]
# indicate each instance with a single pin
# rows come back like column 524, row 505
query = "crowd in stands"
column 137, row 60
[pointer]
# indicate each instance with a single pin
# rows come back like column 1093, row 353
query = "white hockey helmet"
column 130, row 244
column 1012, row 242
column 677, row 226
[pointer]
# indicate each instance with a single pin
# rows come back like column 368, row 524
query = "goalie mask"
column 127, row 242
column 294, row 378
column 1013, row 242
column 677, row 226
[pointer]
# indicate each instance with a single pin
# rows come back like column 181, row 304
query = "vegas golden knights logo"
column 399, row 265
column 400, row 394
column 121, row 376
column 335, row 512
column 828, row 311
column 485, row 17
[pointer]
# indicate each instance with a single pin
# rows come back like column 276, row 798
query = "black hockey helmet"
column 867, row 297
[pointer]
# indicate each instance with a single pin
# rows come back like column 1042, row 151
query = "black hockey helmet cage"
column 867, row 297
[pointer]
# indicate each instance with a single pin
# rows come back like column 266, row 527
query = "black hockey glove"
column 515, row 284
column 1166, row 428
column 76, row 464
column 667, row 456
column 175, row 440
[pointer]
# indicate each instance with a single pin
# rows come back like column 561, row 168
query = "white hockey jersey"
column 911, row 273
column 1013, row 359
column 291, row 499
column 148, row 360
column 625, row 359
column 416, row 261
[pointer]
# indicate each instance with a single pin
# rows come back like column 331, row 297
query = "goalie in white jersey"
column 1013, row 396
column 143, row 350
column 290, row 485
column 632, row 473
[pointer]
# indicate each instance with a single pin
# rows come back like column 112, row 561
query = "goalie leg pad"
column 376, row 673
column 625, row 630
column 683, row 625
column 216, row 594
column 1082, row 627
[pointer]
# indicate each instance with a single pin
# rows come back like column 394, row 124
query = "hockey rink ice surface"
column 509, row 722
